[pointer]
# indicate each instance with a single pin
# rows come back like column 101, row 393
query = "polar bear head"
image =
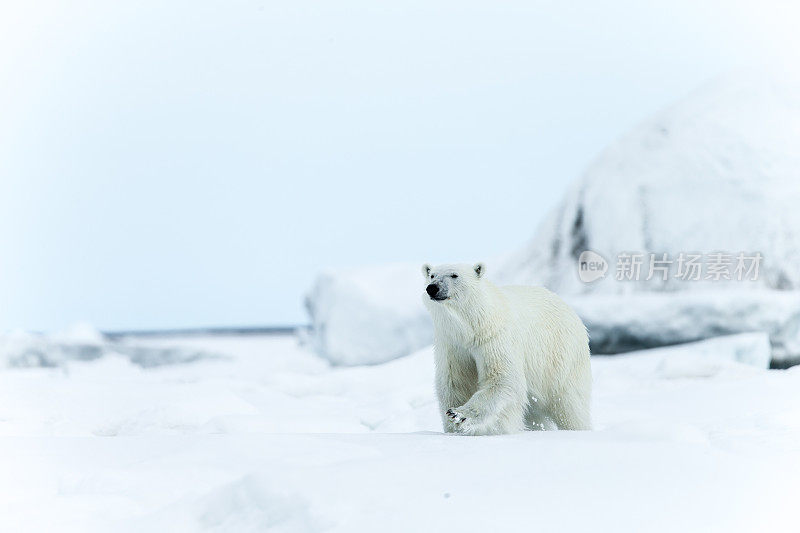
column 451, row 282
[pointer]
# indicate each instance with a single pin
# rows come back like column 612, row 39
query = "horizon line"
column 213, row 330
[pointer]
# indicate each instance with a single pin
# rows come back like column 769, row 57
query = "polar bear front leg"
column 498, row 406
column 456, row 382
column 494, row 409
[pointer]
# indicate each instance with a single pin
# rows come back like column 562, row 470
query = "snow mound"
column 368, row 315
column 718, row 171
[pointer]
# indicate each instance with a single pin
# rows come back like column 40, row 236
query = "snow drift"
column 716, row 172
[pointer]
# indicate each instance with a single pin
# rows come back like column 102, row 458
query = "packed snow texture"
column 716, row 172
column 271, row 437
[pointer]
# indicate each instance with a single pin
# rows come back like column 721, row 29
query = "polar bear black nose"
column 432, row 290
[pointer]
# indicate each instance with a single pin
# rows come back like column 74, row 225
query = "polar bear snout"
column 434, row 292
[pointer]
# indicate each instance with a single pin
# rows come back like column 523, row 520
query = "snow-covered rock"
column 368, row 315
column 717, row 172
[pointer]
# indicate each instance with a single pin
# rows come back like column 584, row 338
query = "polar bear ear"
column 479, row 269
column 426, row 270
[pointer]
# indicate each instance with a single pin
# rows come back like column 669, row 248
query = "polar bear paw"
column 463, row 420
column 456, row 417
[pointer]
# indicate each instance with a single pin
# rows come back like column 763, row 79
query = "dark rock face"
column 623, row 323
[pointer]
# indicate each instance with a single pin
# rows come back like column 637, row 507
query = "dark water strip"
column 199, row 332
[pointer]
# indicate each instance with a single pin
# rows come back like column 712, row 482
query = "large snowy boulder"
column 717, row 172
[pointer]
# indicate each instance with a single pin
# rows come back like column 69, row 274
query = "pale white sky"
column 179, row 164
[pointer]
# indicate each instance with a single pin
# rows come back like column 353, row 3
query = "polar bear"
column 507, row 358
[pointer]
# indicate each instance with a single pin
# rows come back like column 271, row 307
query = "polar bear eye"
column 431, row 276
column 454, row 276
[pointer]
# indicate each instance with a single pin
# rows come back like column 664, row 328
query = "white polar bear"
column 507, row 358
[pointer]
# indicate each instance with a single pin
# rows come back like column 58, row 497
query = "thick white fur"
column 507, row 358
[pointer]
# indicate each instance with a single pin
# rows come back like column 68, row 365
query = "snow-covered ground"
column 268, row 436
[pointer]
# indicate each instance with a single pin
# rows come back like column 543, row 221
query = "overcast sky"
column 181, row 164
